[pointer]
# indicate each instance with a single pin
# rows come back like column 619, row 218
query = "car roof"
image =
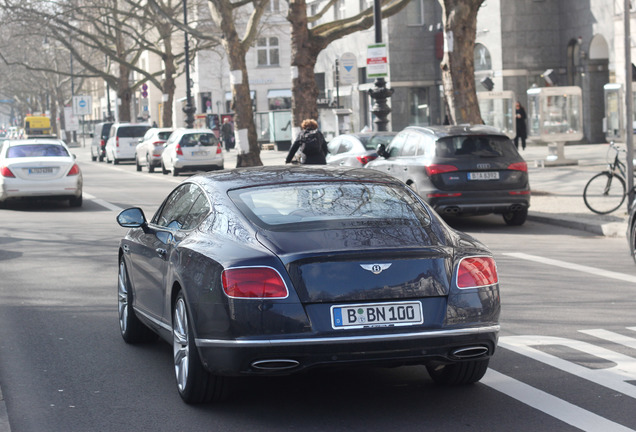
column 454, row 130
column 32, row 141
column 282, row 174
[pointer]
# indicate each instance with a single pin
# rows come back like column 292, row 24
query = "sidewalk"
column 557, row 192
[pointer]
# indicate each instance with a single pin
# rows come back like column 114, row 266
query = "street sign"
column 348, row 68
column 82, row 105
column 377, row 61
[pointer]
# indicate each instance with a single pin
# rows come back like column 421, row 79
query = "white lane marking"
column 571, row 266
column 614, row 377
column 551, row 405
column 612, row 337
column 101, row 202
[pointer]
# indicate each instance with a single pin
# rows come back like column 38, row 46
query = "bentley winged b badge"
column 375, row 268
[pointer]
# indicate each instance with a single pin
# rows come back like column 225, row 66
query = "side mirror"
column 382, row 151
column 132, row 218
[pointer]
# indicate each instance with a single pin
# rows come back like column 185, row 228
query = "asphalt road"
column 566, row 358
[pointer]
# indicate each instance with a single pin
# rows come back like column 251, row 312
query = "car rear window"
column 36, row 150
column 372, row 142
column 193, row 139
column 132, row 131
column 164, row 135
column 294, row 205
column 106, row 130
column 474, row 146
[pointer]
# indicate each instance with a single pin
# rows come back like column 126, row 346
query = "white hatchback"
column 192, row 150
column 150, row 147
column 122, row 141
column 39, row 168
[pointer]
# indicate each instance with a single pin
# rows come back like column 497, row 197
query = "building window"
column 415, row 13
column 267, row 51
column 365, row 4
column 274, row 6
column 419, row 106
column 339, row 9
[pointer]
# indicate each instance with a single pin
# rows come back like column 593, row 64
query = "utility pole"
column 629, row 123
column 379, row 92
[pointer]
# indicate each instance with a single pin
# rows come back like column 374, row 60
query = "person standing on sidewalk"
column 227, row 134
column 522, row 132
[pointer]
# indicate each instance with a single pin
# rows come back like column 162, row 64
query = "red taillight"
column 178, row 149
column 158, row 143
column 521, row 192
column 102, row 143
column 219, row 149
column 253, row 282
column 117, row 142
column 366, row 159
column 74, row 170
column 476, row 272
column 439, row 169
column 518, row 166
column 6, row 172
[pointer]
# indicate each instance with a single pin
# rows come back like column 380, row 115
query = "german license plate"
column 199, row 153
column 376, row 315
column 47, row 170
column 483, row 175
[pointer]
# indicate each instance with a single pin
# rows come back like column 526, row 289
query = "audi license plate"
column 484, row 175
column 199, row 153
column 47, row 170
column 376, row 315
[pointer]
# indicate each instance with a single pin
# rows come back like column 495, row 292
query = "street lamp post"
column 188, row 109
column 379, row 92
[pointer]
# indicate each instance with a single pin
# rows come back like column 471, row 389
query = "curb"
column 609, row 229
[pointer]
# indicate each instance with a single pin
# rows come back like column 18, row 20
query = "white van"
column 123, row 140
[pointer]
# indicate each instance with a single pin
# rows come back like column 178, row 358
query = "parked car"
column 41, row 168
column 122, row 141
column 631, row 230
column 460, row 170
column 99, row 136
column 150, row 147
column 191, row 150
column 356, row 149
column 278, row 270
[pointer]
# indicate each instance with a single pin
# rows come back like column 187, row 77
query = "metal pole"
column 188, row 109
column 629, row 132
column 379, row 92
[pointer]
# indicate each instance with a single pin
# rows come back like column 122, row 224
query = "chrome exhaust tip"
column 451, row 210
column 275, row 364
column 470, row 352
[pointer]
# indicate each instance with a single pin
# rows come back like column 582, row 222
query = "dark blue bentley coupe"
column 276, row 270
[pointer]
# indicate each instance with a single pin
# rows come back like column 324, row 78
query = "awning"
column 286, row 93
column 228, row 95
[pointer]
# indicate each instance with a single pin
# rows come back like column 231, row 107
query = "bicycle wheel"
column 604, row 193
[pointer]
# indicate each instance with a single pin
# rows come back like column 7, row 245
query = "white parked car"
column 192, row 150
column 150, row 147
column 122, row 141
column 39, row 168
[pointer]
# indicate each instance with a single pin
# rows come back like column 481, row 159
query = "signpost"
column 377, row 61
column 82, row 105
column 348, row 68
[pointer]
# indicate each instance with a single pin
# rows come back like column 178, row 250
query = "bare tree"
column 308, row 43
column 459, row 18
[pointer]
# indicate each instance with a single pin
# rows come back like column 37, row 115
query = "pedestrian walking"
column 310, row 144
column 522, row 132
column 227, row 134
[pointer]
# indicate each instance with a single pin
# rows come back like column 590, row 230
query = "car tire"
column 137, row 166
column 75, row 201
column 175, row 172
column 164, row 171
column 115, row 161
column 461, row 373
column 132, row 330
column 194, row 383
column 632, row 240
column 516, row 218
column 93, row 157
column 101, row 158
column 151, row 167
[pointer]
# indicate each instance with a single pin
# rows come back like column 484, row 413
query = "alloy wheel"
column 181, row 347
column 122, row 294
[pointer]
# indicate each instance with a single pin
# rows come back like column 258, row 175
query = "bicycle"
column 606, row 191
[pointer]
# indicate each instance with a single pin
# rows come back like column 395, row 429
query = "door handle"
column 161, row 252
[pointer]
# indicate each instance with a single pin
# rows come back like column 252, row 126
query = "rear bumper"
column 466, row 204
column 288, row 356
column 59, row 189
column 198, row 165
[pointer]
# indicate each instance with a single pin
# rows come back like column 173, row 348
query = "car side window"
column 334, row 146
column 410, row 145
column 426, row 147
column 176, row 211
column 397, row 144
column 346, row 146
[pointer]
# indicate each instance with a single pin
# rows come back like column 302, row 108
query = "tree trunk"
column 458, row 68
column 303, row 57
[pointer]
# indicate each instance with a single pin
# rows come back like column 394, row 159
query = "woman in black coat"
column 521, row 126
column 312, row 144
